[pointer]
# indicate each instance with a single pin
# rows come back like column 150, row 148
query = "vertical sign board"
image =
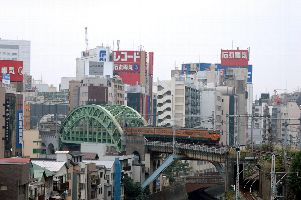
column 6, row 79
column 250, row 74
column 7, row 124
column 19, row 129
column 235, row 58
column 102, row 55
column 127, row 66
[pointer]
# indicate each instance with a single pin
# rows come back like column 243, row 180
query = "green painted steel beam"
column 103, row 124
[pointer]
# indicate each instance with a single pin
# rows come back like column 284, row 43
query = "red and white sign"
column 127, row 66
column 126, row 57
column 238, row 58
column 12, row 67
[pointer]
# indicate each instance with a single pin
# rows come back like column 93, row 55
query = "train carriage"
column 183, row 135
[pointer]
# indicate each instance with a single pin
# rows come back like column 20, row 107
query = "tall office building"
column 16, row 50
column 94, row 62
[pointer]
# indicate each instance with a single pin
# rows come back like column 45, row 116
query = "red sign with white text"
column 127, row 66
column 127, row 61
column 12, row 67
column 239, row 58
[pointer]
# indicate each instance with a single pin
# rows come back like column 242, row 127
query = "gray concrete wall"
column 135, row 144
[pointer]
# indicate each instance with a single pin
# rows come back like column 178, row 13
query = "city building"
column 61, row 179
column 186, row 102
column 73, row 94
column 41, row 186
column 233, row 73
column 16, row 50
column 13, row 124
column 211, row 109
column 15, row 177
column 164, row 103
column 116, row 91
column 48, row 128
column 32, row 144
column 39, row 109
column 96, row 90
column 94, row 62
column 64, row 85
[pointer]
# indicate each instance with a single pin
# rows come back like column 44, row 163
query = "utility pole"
column 237, row 172
column 300, row 133
column 173, row 139
column 273, row 178
column 252, row 127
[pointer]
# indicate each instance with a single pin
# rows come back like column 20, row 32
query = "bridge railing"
column 181, row 146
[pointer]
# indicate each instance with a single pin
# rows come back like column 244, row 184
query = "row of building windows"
column 8, row 53
column 6, row 58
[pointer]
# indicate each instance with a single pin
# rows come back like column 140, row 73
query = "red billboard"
column 127, row 61
column 238, row 58
column 127, row 65
column 12, row 67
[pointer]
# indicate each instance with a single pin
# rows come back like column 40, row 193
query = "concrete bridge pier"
column 230, row 173
column 153, row 161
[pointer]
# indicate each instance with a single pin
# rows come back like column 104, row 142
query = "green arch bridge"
column 99, row 124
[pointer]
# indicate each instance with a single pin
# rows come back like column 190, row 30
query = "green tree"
column 132, row 190
column 175, row 169
column 294, row 180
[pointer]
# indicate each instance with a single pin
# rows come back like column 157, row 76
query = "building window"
column 3, row 187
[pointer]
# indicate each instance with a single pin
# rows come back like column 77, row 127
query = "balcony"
column 60, row 187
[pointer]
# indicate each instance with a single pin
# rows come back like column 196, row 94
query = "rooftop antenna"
column 118, row 42
column 86, row 38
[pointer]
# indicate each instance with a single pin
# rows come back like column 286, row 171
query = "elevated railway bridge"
column 125, row 129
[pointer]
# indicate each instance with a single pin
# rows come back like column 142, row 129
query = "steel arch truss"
column 99, row 124
column 126, row 116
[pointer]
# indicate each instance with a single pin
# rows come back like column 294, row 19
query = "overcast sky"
column 176, row 31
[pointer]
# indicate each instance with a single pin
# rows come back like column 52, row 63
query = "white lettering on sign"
column 126, row 67
column 231, row 54
column 125, row 56
column 244, row 55
column 4, row 70
column 20, row 119
column 225, row 54
column 11, row 70
column 235, row 54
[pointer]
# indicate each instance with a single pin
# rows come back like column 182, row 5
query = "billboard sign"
column 250, row 74
column 239, row 58
column 127, row 61
column 19, row 129
column 6, row 79
column 189, row 68
column 13, row 68
column 102, row 55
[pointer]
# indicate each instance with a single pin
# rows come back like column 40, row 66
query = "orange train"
column 196, row 136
